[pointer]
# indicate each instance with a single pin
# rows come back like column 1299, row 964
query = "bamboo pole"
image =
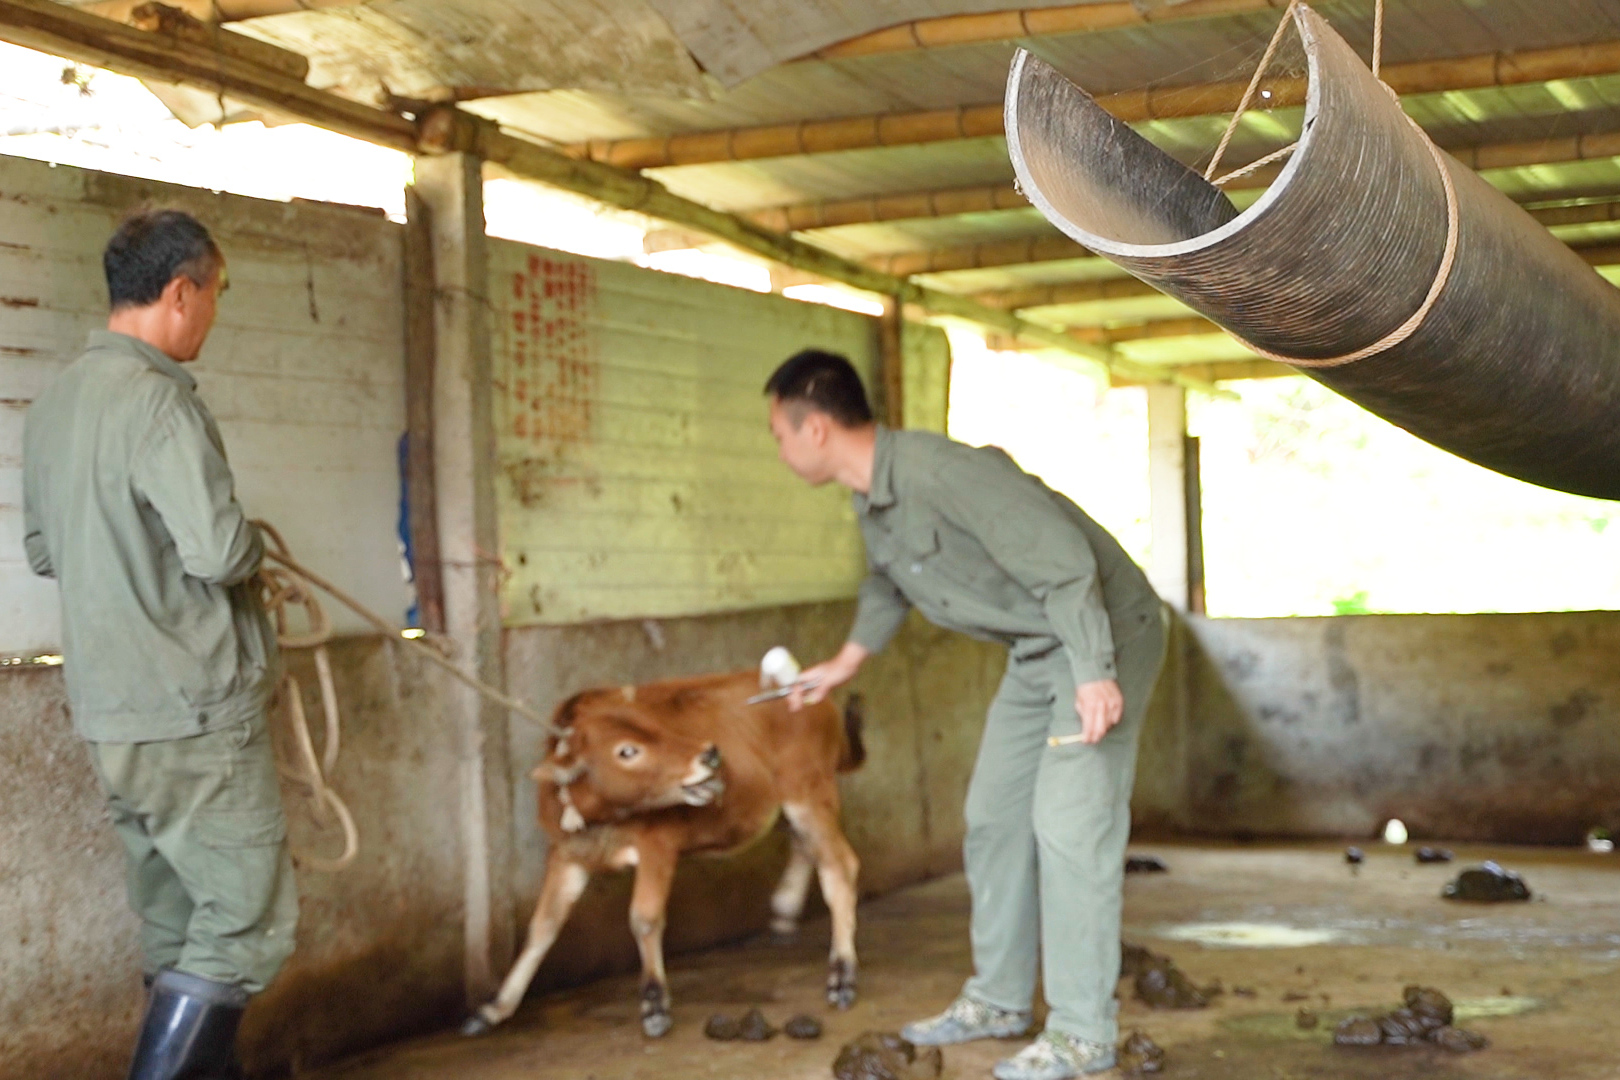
column 983, row 256
column 217, row 10
column 1132, row 106
column 1017, row 23
column 1074, row 292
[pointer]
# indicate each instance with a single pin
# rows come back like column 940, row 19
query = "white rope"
column 283, row 590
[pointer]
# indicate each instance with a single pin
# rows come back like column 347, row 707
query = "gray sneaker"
column 964, row 1021
column 1055, row 1055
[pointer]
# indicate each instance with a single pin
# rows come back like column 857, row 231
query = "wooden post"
column 891, row 374
column 1167, row 488
column 451, row 188
column 1194, row 487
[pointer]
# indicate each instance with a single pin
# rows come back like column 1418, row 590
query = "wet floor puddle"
column 1284, row 1026
column 1248, row 935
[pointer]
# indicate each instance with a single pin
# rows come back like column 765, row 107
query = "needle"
column 773, row 695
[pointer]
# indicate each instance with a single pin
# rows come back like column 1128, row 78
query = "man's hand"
column 1100, row 706
column 827, row 676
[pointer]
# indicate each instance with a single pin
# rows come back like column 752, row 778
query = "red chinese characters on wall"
column 553, row 376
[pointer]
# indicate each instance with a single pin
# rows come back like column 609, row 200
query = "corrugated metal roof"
column 436, row 50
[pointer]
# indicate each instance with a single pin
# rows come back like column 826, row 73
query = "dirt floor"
column 1295, row 924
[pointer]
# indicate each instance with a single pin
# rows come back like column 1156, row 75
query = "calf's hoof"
column 476, row 1025
column 841, row 984
column 656, row 1025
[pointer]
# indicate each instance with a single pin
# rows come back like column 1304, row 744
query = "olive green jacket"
column 128, row 502
column 978, row 545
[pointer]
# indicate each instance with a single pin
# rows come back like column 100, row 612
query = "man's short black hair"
column 823, row 381
column 153, row 247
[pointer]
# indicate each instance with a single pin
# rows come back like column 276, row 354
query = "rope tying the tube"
column 288, row 585
column 1442, row 273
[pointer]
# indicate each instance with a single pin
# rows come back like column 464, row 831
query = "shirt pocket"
column 918, row 551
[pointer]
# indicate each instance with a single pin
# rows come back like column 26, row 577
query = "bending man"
column 130, row 505
column 978, row 545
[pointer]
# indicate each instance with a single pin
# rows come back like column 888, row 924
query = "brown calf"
column 645, row 774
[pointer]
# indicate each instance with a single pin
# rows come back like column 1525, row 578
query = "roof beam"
column 1153, row 103
column 1051, row 247
column 1070, row 292
column 1017, row 23
column 216, row 10
column 1227, row 370
column 185, row 60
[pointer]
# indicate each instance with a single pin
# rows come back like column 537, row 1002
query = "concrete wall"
column 1479, row 727
column 379, row 945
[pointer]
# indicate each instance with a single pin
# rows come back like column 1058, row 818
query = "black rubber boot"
column 190, row 1029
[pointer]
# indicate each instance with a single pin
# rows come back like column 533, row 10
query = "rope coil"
column 284, row 590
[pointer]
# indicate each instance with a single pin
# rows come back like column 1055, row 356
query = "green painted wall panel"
column 638, row 477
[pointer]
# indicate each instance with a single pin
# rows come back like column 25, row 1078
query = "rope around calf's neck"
column 287, row 584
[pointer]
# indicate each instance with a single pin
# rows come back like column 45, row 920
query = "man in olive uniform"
column 129, row 504
column 980, row 546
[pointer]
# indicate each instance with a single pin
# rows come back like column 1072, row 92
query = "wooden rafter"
column 1018, row 23
column 990, row 254
column 1153, row 103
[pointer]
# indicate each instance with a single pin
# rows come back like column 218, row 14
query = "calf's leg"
column 565, row 881
column 787, row 902
column 655, row 873
column 837, row 866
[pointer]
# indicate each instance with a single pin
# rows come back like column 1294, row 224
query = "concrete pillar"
column 1176, row 563
column 450, row 186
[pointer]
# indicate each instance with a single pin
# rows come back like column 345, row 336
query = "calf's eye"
column 628, row 752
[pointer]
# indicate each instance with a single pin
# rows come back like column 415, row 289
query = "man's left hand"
column 1100, row 705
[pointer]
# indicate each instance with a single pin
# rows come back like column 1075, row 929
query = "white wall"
column 304, row 369
column 638, row 475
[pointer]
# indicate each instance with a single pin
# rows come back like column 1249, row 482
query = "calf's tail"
column 854, row 722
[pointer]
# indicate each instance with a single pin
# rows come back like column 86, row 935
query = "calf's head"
column 615, row 759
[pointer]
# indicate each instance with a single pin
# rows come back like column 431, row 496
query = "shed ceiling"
column 576, row 71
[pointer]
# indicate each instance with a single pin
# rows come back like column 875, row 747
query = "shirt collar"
column 162, row 362
column 881, row 493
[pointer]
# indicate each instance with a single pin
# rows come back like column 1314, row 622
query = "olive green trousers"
column 1046, row 834
column 205, row 844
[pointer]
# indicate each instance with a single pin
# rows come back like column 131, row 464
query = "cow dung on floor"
column 1487, row 884
column 883, row 1055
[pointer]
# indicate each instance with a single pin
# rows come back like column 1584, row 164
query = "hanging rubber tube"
column 1515, row 365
